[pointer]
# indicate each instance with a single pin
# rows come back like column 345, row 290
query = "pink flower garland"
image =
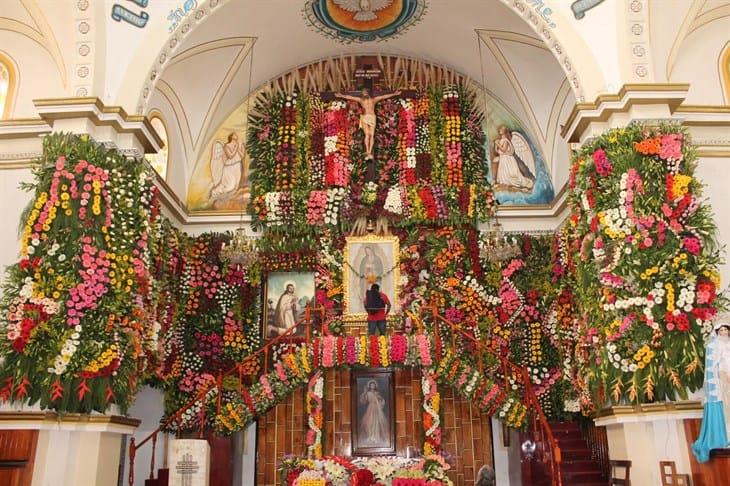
column 398, row 348
column 424, row 349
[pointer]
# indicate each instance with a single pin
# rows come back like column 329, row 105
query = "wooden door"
column 17, row 455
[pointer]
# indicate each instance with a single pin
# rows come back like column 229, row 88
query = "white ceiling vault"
column 255, row 41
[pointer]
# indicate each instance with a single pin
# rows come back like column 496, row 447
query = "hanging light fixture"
column 498, row 246
column 243, row 249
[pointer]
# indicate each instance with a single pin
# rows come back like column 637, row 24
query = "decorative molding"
column 43, row 34
column 84, row 52
column 20, row 156
column 684, row 30
column 639, row 40
column 23, row 127
column 69, row 421
column 648, row 412
column 12, row 87
column 17, row 162
column 131, row 153
column 629, row 95
column 93, row 109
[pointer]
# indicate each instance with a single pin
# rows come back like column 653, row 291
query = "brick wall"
column 467, row 433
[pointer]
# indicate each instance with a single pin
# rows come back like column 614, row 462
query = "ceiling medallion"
column 349, row 21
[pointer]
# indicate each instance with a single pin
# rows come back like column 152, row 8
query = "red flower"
column 362, row 477
column 374, row 352
column 705, row 292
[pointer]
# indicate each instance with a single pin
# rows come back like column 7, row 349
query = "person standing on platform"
column 377, row 306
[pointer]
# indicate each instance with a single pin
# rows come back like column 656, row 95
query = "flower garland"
column 487, row 394
column 338, row 164
column 452, row 137
column 315, row 414
column 643, row 249
column 431, row 418
column 407, row 143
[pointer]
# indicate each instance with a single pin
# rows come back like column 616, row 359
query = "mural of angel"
column 364, row 9
column 226, row 167
column 514, row 162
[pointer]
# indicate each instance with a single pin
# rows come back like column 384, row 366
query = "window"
column 7, row 85
column 158, row 161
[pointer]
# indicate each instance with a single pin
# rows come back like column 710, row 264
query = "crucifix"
column 367, row 96
column 368, row 118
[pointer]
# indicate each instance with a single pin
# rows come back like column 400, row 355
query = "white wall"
column 507, row 466
column 713, row 172
column 12, row 202
column 698, row 63
column 148, row 407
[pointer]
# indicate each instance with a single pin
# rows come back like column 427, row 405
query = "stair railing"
column 548, row 450
column 597, row 440
column 237, row 370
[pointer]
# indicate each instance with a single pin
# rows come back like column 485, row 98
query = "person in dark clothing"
column 377, row 306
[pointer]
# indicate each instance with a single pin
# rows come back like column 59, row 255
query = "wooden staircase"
column 578, row 467
column 163, row 478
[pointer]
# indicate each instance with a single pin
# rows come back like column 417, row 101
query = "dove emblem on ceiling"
column 349, row 21
column 364, row 9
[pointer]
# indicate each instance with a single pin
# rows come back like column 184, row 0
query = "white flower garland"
column 393, row 202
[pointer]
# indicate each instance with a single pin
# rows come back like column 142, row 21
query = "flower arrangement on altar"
column 429, row 470
column 309, row 170
column 646, row 265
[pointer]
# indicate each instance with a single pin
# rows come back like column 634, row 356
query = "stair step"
column 582, row 476
column 575, row 454
column 564, row 426
column 163, row 477
column 571, row 443
column 151, row 482
column 579, row 465
column 567, row 433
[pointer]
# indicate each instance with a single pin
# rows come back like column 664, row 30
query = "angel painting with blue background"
column 518, row 172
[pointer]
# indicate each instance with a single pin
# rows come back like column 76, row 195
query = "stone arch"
column 565, row 43
column 7, row 64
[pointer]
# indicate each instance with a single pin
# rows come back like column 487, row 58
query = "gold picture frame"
column 366, row 260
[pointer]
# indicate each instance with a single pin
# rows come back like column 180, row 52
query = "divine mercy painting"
column 373, row 413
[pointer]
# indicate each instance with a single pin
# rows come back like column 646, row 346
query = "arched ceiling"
column 208, row 75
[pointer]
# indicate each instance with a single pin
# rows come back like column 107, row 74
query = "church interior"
column 364, row 242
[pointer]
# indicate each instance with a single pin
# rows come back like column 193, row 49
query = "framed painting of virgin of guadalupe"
column 373, row 413
column 369, row 260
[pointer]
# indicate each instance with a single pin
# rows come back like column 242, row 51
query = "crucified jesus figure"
column 367, row 119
